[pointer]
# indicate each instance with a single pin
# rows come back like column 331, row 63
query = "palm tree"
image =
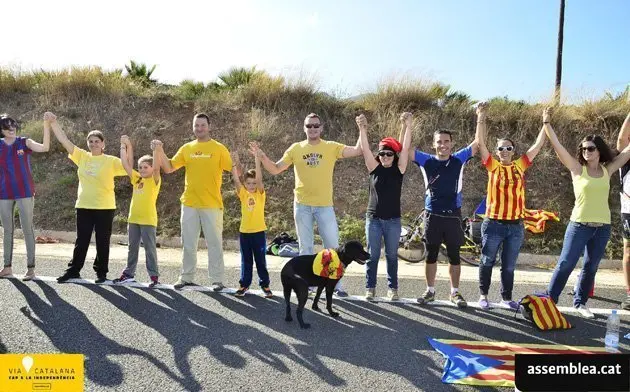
column 141, row 73
column 237, row 77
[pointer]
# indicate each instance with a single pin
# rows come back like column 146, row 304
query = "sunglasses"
column 386, row 154
column 589, row 148
column 7, row 123
column 508, row 148
column 309, row 126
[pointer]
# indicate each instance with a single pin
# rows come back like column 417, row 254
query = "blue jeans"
column 578, row 238
column 493, row 234
column 389, row 230
column 253, row 247
column 305, row 217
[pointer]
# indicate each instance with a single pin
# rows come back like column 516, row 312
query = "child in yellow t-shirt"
column 142, row 221
column 252, row 237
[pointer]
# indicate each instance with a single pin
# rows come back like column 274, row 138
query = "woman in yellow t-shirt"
column 588, row 231
column 252, row 231
column 96, row 202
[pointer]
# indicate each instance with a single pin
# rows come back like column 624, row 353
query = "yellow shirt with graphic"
column 204, row 163
column 313, row 166
column 96, row 179
column 142, row 210
column 252, row 211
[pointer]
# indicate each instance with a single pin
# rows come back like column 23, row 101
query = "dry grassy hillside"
column 271, row 110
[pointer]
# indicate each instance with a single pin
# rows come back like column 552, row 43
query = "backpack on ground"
column 274, row 246
column 542, row 311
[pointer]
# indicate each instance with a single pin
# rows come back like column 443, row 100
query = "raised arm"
column 164, row 161
column 45, row 146
column 407, row 122
column 537, row 146
column 565, row 157
column 236, row 163
column 156, row 161
column 370, row 162
column 355, row 151
column 258, row 165
column 271, row 166
column 125, row 151
column 624, row 133
column 60, row 134
column 481, row 131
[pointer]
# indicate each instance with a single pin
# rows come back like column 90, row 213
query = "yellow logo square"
column 41, row 372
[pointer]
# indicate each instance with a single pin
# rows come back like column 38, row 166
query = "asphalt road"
column 165, row 340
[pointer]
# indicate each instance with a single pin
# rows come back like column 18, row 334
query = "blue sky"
column 485, row 48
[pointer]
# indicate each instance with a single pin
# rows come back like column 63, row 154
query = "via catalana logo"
column 34, row 372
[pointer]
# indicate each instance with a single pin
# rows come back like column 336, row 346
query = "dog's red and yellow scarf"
column 328, row 265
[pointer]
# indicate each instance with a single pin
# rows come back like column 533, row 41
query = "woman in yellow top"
column 589, row 227
column 96, row 202
column 252, row 231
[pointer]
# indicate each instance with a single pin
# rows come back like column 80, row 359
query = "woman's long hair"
column 605, row 154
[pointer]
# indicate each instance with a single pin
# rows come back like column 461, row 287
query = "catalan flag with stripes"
column 534, row 220
column 492, row 363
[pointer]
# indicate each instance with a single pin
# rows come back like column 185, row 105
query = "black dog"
column 297, row 275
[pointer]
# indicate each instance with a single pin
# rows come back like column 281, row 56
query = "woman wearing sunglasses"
column 589, row 228
column 383, row 212
column 505, row 208
column 17, row 188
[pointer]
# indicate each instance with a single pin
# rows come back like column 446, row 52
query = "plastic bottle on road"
column 612, row 332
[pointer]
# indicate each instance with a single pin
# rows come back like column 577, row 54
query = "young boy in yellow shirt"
column 252, row 237
column 142, row 221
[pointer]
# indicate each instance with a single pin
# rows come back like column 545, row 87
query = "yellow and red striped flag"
column 534, row 220
column 492, row 363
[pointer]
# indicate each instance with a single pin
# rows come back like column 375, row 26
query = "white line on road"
column 563, row 309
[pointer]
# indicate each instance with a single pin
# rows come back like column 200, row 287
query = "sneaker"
column 458, row 299
column 217, row 286
column 241, row 291
column 625, row 305
column 154, row 282
column 392, row 294
column 484, row 304
column 29, row 275
column 585, row 312
column 100, row 279
column 267, row 292
column 341, row 293
column 510, row 304
column 67, row 276
column 369, row 294
column 180, row 284
column 427, row 297
column 6, row 272
column 312, row 291
column 124, row 278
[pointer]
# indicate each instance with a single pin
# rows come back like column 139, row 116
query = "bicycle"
column 411, row 246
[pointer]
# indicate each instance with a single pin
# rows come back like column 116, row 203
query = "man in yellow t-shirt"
column 313, row 163
column 205, row 159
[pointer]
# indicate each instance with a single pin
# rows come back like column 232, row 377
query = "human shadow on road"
column 70, row 331
column 186, row 325
column 3, row 348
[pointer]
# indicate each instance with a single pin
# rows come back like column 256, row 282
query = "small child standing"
column 142, row 221
column 252, row 237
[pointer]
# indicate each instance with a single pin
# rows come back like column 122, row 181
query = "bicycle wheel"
column 411, row 248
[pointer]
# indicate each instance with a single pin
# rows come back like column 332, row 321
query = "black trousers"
column 88, row 221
